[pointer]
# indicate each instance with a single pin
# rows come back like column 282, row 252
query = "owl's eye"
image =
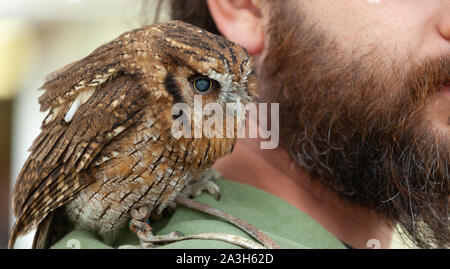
column 203, row 85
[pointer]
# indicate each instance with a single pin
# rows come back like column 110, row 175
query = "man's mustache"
column 430, row 76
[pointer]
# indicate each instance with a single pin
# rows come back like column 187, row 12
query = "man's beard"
column 356, row 123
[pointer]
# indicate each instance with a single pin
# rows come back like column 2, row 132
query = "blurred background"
column 36, row 38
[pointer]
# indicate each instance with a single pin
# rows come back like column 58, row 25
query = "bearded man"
column 364, row 95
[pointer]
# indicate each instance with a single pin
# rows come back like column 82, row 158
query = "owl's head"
column 197, row 62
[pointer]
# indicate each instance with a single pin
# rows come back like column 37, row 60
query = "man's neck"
column 274, row 171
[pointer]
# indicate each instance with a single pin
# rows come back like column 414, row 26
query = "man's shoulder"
column 285, row 224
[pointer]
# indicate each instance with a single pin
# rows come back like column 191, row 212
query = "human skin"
column 404, row 29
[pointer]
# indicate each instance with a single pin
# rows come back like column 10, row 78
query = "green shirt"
column 285, row 224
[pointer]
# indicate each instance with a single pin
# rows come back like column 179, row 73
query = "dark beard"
column 356, row 123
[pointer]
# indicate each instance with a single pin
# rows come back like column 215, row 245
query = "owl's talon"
column 179, row 234
column 214, row 190
column 203, row 182
column 142, row 229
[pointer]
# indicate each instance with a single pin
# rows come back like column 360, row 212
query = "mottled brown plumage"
column 106, row 146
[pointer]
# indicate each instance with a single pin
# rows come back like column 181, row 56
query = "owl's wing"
column 85, row 114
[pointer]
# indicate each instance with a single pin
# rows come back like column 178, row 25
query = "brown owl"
column 106, row 146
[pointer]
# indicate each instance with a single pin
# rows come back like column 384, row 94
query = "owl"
column 106, row 147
